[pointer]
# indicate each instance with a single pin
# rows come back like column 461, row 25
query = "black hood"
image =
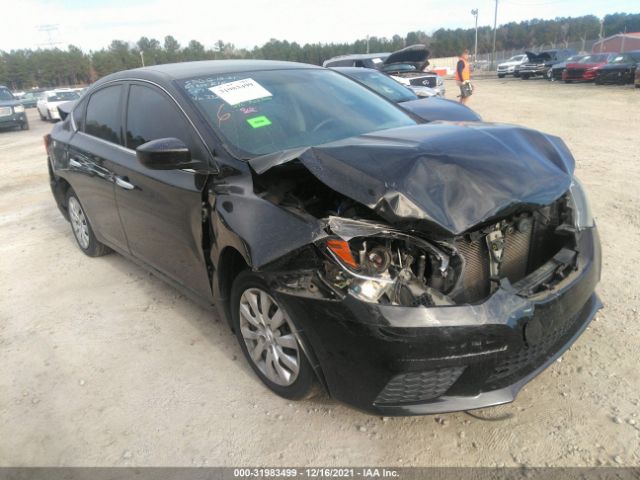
column 453, row 175
column 538, row 57
column 415, row 55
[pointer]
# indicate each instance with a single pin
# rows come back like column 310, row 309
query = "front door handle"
column 122, row 183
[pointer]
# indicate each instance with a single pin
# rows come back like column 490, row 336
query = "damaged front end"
column 423, row 310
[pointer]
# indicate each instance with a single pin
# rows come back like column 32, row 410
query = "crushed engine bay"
column 369, row 259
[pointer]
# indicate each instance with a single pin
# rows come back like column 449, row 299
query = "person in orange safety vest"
column 463, row 77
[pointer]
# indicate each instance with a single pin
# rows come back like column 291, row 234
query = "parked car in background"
column 406, row 66
column 509, row 67
column 586, row 69
column 406, row 267
column 48, row 103
column 538, row 64
column 429, row 109
column 555, row 72
column 12, row 113
column 620, row 70
column 30, row 98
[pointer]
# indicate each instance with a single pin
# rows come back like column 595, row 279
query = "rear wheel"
column 500, row 75
column 81, row 228
column 267, row 337
column 525, row 76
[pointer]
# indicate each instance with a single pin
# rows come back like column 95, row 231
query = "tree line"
column 25, row 68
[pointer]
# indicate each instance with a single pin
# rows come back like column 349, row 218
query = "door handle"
column 74, row 163
column 122, row 183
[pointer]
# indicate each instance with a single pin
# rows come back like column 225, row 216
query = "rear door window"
column 103, row 118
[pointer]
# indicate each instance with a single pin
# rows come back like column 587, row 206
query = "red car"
column 586, row 69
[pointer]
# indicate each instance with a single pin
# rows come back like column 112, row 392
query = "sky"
column 92, row 24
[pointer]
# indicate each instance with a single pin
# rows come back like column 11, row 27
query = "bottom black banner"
column 235, row 473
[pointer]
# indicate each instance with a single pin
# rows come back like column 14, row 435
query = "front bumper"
column 13, row 120
column 391, row 360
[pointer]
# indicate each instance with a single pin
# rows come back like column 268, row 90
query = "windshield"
column 595, row 58
column 62, row 96
column 384, row 85
column 620, row 59
column 262, row 112
column 5, row 94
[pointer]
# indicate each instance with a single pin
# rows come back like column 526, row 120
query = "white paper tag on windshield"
column 240, row 91
column 376, row 60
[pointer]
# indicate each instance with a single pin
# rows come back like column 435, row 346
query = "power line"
column 48, row 30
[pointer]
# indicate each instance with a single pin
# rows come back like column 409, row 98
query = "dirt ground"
column 103, row 364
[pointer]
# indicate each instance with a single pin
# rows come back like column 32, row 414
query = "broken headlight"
column 376, row 264
column 579, row 204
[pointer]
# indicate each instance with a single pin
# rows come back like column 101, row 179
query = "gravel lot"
column 103, row 364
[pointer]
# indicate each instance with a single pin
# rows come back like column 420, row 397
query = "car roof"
column 178, row 71
column 356, row 70
column 358, row 56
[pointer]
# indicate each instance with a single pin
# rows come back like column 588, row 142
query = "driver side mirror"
column 164, row 154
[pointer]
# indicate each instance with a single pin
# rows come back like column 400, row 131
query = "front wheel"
column 268, row 339
column 82, row 230
column 501, row 76
column 525, row 77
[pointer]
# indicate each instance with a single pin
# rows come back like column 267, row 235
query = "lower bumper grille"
column 521, row 363
column 419, row 386
column 424, row 81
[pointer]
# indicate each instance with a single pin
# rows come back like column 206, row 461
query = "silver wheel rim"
column 79, row 223
column 268, row 335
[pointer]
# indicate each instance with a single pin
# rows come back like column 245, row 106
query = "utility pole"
column 367, row 43
column 142, row 57
column 474, row 12
column 624, row 35
column 495, row 26
column 601, row 37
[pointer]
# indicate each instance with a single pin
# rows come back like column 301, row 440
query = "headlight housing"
column 439, row 81
column 18, row 109
column 582, row 215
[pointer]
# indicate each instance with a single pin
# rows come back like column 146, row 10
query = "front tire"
column 81, row 228
column 266, row 335
column 501, row 76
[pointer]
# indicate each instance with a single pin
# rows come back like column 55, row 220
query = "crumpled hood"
column 415, row 55
column 454, row 175
column 538, row 57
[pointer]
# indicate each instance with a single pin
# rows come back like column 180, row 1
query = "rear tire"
column 501, row 76
column 24, row 126
column 81, row 228
column 276, row 356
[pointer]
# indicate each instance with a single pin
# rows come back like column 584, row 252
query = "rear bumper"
column 392, row 360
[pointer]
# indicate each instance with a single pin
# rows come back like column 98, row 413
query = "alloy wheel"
column 268, row 336
column 79, row 222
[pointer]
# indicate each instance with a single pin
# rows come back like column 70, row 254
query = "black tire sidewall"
column 306, row 377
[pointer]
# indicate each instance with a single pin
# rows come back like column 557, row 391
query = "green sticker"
column 257, row 122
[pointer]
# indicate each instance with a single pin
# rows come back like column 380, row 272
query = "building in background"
column 622, row 42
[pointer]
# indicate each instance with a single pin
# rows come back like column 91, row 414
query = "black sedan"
column 429, row 109
column 621, row 70
column 555, row 72
column 406, row 267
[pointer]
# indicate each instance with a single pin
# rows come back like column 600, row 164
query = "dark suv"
column 11, row 111
column 539, row 64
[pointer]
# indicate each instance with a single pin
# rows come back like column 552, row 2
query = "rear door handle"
column 122, row 183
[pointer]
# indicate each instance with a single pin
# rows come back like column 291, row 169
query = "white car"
column 49, row 101
column 511, row 66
